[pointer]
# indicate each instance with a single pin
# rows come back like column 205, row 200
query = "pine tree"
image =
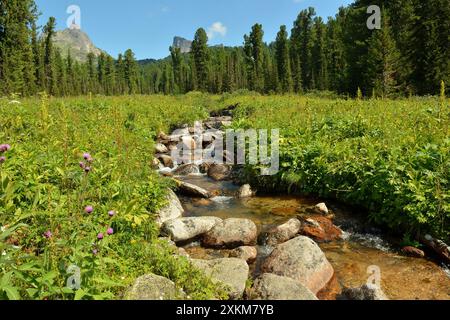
column 319, row 54
column 49, row 61
column 200, row 59
column 302, row 44
column 282, row 60
column 382, row 64
column 130, row 72
column 253, row 49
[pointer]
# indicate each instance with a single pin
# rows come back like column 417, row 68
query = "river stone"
column 160, row 148
column 283, row 233
column 413, row 252
column 365, row 292
column 245, row 191
column 273, row 287
column 231, row 233
column 231, row 272
column 321, row 208
column 184, row 229
column 302, row 260
column 219, row 172
column 166, row 160
column 320, row 229
column 246, row 253
column 172, row 210
column 186, row 169
column 192, row 190
column 153, row 287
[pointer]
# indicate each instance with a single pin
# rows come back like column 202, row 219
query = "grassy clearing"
column 43, row 189
column 389, row 157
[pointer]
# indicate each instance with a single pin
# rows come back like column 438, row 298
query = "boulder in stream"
column 320, row 229
column 231, row 233
column 160, row 148
column 186, row 169
column 192, row 190
column 246, row 253
column 365, row 292
column 219, row 172
column 245, row 191
column 166, row 160
column 302, row 260
column 273, row 287
column 184, row 229
column 230, row 272
column 283, row 233
column 172, row 210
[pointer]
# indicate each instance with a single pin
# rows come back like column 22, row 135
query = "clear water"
column 401, row 277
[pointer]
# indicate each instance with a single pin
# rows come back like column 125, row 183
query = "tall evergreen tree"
column 200, row 58
column 283, row 60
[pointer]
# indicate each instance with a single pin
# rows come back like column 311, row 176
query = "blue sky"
column 148, row 26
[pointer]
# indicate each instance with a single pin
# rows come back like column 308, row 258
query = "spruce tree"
column 282, row 60
column 200, row 59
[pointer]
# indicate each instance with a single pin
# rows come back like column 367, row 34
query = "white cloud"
column 217, row 28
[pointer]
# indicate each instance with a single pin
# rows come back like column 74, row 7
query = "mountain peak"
column 183, row 44
column 77, row 41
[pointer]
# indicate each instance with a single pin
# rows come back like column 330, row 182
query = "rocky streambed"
column 277, row 247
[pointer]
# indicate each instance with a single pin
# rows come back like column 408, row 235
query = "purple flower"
column 87, row 169
column 2, row 159
column 89, row 209
column 82, row 165
column 94, row 252
column 100, row 236
column 4, row 148
column 48, row 234
column 110, row 231
column 112, row 213
column 88, row 157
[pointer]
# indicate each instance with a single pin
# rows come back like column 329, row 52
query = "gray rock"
column 272, row 287
column 302, row 260
column 365, row 292
column 321, row 208
column 284, row 232
column 231, row 272
column 186, row 169
column 219, row 172
column 166, row 160
column 246, row 253
column 231, row 233
column 245, row 191
column 184, row 229
column 172, row 210
column 153, row 287
column 160, row 148
column 192, row 190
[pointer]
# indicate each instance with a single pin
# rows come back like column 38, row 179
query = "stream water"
column 352, row 257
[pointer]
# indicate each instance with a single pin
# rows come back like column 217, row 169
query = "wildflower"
column 4, row 148
column 110, row 231
column 89, row 209
column 95, row 251
column 100, row 236
column 87, row 169
column 48, row 234
column 82, row 165
column 88, row 157
column 112, row 213
column 2, row 159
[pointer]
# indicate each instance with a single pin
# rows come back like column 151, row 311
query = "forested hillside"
column 409, row 55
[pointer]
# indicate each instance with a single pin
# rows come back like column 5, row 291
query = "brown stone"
column 231, row 233
column 321, row 229
column 413, row 252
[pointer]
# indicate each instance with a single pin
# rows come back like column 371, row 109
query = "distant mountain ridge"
column 77, row 41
